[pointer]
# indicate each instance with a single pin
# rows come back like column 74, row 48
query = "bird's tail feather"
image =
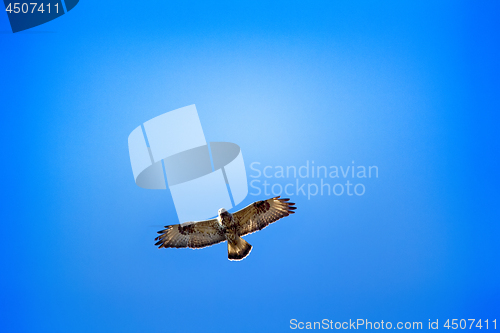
column 239, row 250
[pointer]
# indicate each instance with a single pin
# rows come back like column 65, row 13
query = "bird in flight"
column 227, row 227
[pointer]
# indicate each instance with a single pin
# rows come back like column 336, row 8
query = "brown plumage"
column 227, row 227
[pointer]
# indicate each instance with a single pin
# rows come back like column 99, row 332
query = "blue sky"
column 409, row 87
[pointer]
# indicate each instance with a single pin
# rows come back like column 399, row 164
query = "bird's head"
column 223, row 215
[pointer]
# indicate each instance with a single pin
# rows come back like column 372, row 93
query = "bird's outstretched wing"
column 260, row 214
column 190, row 234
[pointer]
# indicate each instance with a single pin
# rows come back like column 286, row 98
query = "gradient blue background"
column 410, row 87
